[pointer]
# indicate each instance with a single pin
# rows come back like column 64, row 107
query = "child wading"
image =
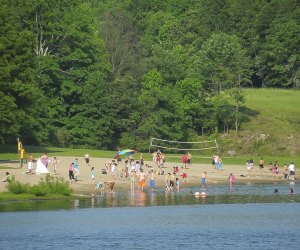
column 203, row 179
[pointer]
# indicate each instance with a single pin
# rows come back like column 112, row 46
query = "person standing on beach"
column 152, row 181
column 87, row 159
column 45, row 160
column 30, row 164
column 215, row 161
column 177, row 184
column 154, row 155
column 261, row 164
column 292, row 171
column 189, row 159
column 184, row 160
column 142, row 179
column 285, row 172
column 184, row 176
column 167, row 181
column 55, row 162
column 142, row 160
column 172, row 181
column 92, row 174
column 71, row 172
column 132, row 179
column 248, row 166
column 137, row 168
column 20, row 146
column 76, row 169
column 219, row 163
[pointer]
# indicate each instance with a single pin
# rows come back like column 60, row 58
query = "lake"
column 246, row 216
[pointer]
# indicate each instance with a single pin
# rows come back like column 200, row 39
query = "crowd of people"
column 137, row 173
column 288, row 172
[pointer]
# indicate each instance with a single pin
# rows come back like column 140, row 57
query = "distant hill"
column 272, row 126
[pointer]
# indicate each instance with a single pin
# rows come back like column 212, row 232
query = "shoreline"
column 85, row 186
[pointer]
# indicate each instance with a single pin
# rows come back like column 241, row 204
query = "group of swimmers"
column 290, row 191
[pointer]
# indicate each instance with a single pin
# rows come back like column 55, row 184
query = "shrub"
column 49, row 185
column 38, row 190
column 17, row 187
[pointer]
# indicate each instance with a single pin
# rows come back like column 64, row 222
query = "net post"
column 217, row 146
column 150, row 145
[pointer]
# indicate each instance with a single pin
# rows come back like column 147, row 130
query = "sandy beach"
column 84, row 185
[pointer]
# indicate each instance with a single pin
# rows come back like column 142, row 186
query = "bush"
column 17, row 187
column 38, row 190
column 48, row 186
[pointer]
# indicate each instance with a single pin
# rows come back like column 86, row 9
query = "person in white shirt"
column 292, row 171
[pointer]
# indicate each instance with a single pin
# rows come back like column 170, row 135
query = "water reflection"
column 221, row 194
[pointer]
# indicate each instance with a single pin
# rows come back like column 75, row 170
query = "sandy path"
column 85, row 186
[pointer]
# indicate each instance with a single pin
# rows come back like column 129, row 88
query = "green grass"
column 278, row 113
column 8, row 196
column 176, row 158
column 274, row 103
column 273, row 114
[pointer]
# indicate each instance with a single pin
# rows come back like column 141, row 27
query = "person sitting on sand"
column 275, row 170
column 270, row 166
column 8, row 178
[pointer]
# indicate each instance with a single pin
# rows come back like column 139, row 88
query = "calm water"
column 246, row 217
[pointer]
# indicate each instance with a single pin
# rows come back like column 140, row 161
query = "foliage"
column 105, row 74
column 17, row 187
column 49, row 186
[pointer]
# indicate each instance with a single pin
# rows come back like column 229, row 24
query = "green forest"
column 104, row 74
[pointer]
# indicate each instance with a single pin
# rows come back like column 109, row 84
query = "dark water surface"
column 245, row 217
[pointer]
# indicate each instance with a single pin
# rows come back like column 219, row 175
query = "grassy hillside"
column 272, row 126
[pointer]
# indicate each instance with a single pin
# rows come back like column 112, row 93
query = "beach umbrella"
column 125, row 152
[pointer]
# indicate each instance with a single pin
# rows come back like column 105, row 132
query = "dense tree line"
column 113, row 73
